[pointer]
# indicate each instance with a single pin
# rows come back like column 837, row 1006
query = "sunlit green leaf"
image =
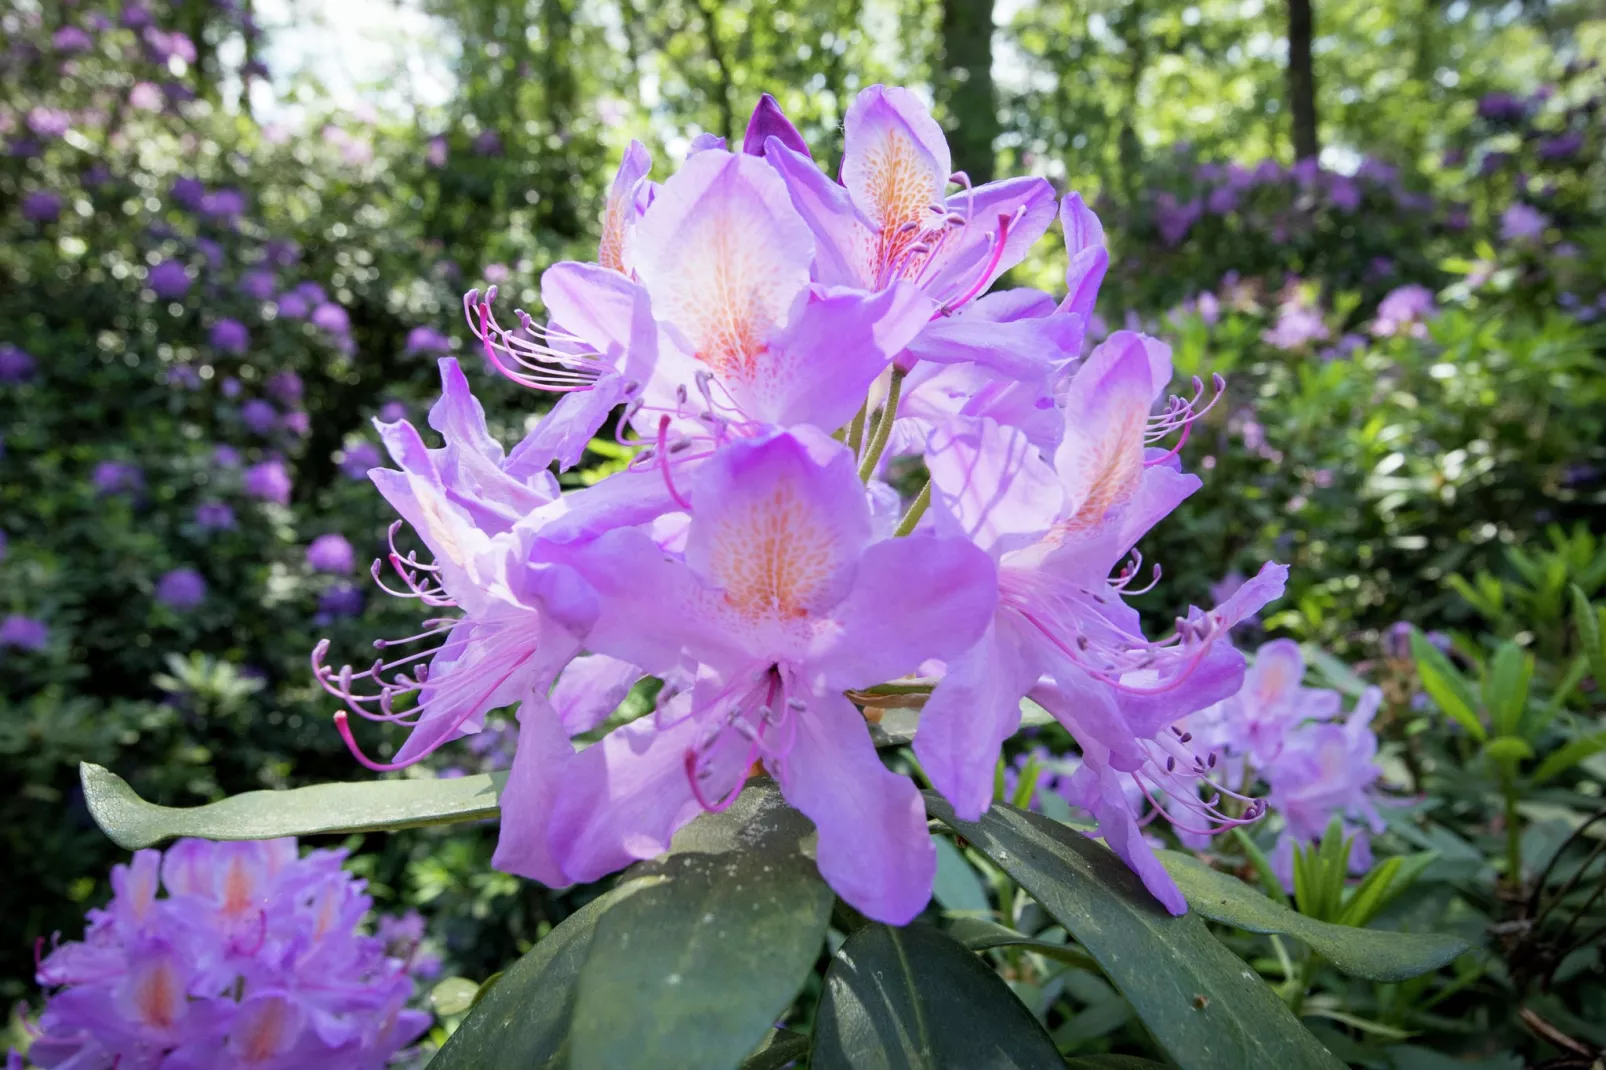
column 1198, row 1000
column 1445, row 685
column 361, row 806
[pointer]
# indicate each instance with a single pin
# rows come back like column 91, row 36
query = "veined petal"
column 895, row 162
column 590, row 689
column 841, row 234
column 726, row 259
column 874, row 849
column 1089, row 259
column 605, row 310
column 777, row 529
column 1096, row 787
column 991, row 332
column 1020, row 210
column 990, row 485
column 1100, row 459
column 623, row 208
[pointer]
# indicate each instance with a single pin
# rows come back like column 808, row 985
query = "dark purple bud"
column 769, row 121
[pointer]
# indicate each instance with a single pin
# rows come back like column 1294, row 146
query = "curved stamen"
column 984, row 279
column 663, row 462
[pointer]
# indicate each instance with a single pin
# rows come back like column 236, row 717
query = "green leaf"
column 1202, row 1004
column 523, row 1020
column 1505, row 687
column 1368, row 897
column 453, row 996
column 1587, row 621
column 897, row 725
column 914, row 999
column 695, row 968
column 1445, row 685
column 957, row 888
column 1368, row 953
column 1112, row 1062
column 363, row 806
column 1508, row 750
column 780, row 1049
column 1263, row 867
column 978, row 934
column 1336, row 672
column 1569, row 755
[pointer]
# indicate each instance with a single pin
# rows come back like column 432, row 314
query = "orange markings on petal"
column 1115, row 465
column 158, row 997
column 774, row 557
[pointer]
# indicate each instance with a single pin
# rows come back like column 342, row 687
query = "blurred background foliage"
column 214, row 274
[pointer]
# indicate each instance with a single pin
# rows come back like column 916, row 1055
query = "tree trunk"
column 716, row 52
column 1302, row 79
column 965, row 85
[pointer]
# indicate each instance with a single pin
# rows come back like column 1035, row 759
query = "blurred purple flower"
column 16, row 366
column 269, row 482
column 223, row 204
column 189, row 192
column 1522, row 223
column 358, row 458
column 1174, row 220
column 70, row 39
column 231, row 387
column 48, row 122
column 146, row 96
column 1500, row 107
column 391, row 411
column 292, row 306
column 427, row 340
column 116, row 477
column 331, row 553
column 169, row 279
column 184, row 376
column 258, row 284
column 488, row 143
column 285, row 386
column 332, row 318
column 24, row 633
column 1561, row 147
column 298, row 423
column 435, row 154
column 231, row 336
column 214, row 516
column 1222, row 201
column 1297, row 326
column 341, row 600
column 259, row 415
column 312, row 293
column 1403, row 311
column 182, row 588
column 41, row 206
column 226, row 456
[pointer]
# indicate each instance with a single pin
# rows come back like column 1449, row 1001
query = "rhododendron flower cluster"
column 253, row 958
column 769, row 340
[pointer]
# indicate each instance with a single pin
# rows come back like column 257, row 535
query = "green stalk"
column 883, row 428
column 917, row 509
column 856, row 429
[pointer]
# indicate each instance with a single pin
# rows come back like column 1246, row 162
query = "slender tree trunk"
column 562, row 101
column 716, row 52
column 965, row 86
column 1128, row 144
column 1302, row 79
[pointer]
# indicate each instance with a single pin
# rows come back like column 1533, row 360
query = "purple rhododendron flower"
column 426, row 340
column 70, row 39
column 739, row 315
column 115, row 477
column 214, row 516
column 341, row 600
column 225, row 456
column 146, row 96
column 297, row 423
column 359, row 458
column 16, row 366
column 41, row 206
column 268, row 481
column 260, row 416
column 170, row 279
column 1522, row 223
column 391, row 411
column 1500, row 107
column 223, row 204
column 24, row 633
column 258, row 284
column 254, row 957
column 231, row 336
column 331, row 317
column 285, row 386
column 49, row 122
column 331, row 553
column 293, row 306
column 189, row 192
column 1297, row 326
column 1404, row 310
column 182, row 588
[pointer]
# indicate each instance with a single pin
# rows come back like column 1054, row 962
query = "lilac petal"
column 819, row 371
column 458, row 415
column 622, row 800
column 605, row 310
column 970, row 714
column 1218, row 676
column 1089, row 259
column 543, row 755
column 1018, row 347
column 1028, row 204
column 1097, row 789
column 725, row 258
column 874, row 849
column 1265, row 586
column 566, row 430
column 895, row 162
column 1091, row 712
column 841, row 235
column 590, row 689
column 990, row 485
column 769, row 121
column 1106, row 417
column 1275, row 676
column 913, row 598
column 621, row 211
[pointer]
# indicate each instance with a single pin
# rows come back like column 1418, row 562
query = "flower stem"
column 856, row 428
column 883, row 428
column 917, row 509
